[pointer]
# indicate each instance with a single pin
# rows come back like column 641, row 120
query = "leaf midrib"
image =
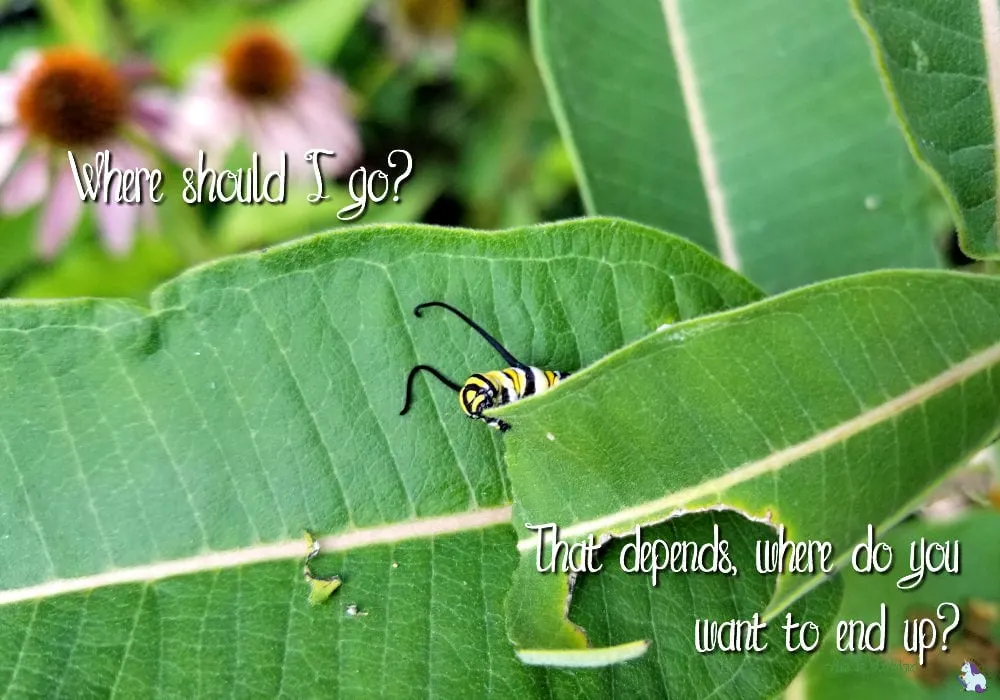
column 701, row 136
column 422, row 528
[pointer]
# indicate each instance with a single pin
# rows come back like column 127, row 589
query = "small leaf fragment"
column 321, row 588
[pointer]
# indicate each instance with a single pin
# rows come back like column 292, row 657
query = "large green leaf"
column 758, row 130
column 824, row 410
column 157, row 467
column 941, row 66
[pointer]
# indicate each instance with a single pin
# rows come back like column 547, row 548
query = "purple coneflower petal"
column 152, row 110
column 8, row 100
column 320, row 83
column 321, row 107
column 342, row 133
column 138, row 158
column 207, row 78
column 275, row 129
column 147, row 218
column 288, row 130
column 11, row 144
column 227, row 112
column 327, row 125
column 26, row 186
column 312, row 113
column 60, row 214
column 117, row 222
column 137, row 70
column 263, row 132
column 203, row 121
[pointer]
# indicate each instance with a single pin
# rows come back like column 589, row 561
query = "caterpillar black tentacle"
column 485, row 390
column 409, row 384
column 504, row 353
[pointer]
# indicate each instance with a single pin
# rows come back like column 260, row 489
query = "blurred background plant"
column 452, row 82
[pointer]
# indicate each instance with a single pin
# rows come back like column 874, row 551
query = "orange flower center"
column 72, row 98
column 258, row 65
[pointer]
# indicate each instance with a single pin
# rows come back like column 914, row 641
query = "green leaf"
column 935, row 61
column 874, row 385
column 723, row 121
column 157, row 467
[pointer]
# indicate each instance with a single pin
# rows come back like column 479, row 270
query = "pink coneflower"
column 258, row 91
column 64, row 100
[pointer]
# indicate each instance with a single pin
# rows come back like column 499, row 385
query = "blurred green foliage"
column 464, row 99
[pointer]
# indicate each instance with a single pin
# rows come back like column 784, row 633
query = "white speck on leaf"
column 550, row 436
column 872, row 202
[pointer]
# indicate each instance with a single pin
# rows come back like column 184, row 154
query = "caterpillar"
column 485, row 390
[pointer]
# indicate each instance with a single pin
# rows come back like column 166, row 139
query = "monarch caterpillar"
column 491, row 389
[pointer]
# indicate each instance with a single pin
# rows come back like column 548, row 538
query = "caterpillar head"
column 475, row 397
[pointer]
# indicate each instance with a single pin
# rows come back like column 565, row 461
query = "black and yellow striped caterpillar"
column 491, row 389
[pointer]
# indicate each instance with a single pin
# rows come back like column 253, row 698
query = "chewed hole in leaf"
column 614, row 606
column 320, row 587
